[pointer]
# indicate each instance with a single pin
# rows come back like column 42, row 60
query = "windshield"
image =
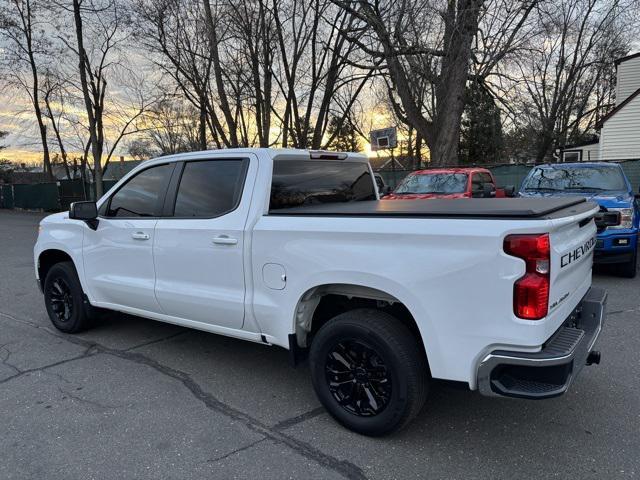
column 582, row 179
column 433, row 183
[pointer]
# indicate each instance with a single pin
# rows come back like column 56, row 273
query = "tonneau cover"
column 496, row 208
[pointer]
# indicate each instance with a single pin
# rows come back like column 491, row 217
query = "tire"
column 64, row 299
column 630, row 269
column 367, row 354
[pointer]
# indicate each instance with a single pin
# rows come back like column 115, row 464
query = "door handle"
column 140, row 236
column 225, row 240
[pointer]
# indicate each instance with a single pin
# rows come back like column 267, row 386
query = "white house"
column 619, row 130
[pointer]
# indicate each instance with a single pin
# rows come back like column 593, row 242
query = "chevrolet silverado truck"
column 294, row 249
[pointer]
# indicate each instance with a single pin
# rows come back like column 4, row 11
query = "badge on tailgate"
column 577, row 253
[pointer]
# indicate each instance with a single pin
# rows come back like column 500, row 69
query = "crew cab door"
column 199, row 245
column 118, row 255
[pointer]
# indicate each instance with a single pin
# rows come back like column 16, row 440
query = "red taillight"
column 531, row 291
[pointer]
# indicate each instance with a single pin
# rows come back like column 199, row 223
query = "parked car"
column 449, row 183
column 606, row 184
column 293, row 248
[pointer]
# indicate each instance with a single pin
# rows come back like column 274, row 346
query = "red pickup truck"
column 449, row 183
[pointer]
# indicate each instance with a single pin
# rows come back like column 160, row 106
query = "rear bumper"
column 549, row 372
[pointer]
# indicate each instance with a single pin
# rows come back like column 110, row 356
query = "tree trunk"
column 218, row 77
column 461, row 26
column 96, row 144
column 35, row 94
column 202, row 126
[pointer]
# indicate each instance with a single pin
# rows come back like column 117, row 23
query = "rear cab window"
column 309, row 182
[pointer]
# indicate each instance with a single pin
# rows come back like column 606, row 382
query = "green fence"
column 6, row 196
column 40, row 196
column 48, row 196
column 510, row 174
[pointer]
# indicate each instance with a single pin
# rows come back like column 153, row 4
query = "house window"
column 572, row 156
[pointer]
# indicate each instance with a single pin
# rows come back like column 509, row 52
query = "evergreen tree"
column 481, row 138
column 346, row 136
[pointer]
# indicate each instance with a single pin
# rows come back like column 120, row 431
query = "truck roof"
column 273, row 153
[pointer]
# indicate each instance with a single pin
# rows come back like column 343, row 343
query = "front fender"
column 67, row 238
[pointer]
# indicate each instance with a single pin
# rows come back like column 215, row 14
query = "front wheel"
column 64, row 299
column 369, row 371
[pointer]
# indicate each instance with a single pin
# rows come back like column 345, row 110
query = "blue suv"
column 605, row 184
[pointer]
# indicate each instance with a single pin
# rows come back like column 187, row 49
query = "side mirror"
column 509, row 191
column 85, row 211
column 387, row 190
column 488, row 190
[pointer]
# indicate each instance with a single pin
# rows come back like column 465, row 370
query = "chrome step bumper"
column 549, row 372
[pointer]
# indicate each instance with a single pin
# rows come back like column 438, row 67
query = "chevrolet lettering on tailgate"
column 577, row 253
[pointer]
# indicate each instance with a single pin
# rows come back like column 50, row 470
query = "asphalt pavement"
column 134, row 398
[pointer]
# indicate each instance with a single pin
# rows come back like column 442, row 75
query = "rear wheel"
column 369, row 371
column 630, row 269
column 64, row 299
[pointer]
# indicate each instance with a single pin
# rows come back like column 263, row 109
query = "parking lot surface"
column 134, row 398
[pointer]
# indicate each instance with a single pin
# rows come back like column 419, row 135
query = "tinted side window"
column 479, row 179
column 485, row 178
column 142, row 195
column 210, row 188
column 306, row 182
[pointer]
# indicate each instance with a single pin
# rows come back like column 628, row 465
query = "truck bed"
column 485, row 208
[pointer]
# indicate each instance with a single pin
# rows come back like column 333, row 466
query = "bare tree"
column 316, row 70
column 175, row 33
column 55, row 93
column 21, row 23
column 563, row 84
column 426, row 51
column 171, row 127
column 99, row 34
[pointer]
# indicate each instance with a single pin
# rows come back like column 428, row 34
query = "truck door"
column 118, row 255
column 199, row 244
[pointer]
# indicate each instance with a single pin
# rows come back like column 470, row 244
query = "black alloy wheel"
column 61, row 299
column 358, row 378
column 65, row 300
column 369, row 371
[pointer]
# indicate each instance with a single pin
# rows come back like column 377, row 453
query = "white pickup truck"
column 294, row 248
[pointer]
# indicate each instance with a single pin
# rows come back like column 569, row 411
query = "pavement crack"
column 290, row 422
column 45, row 367
column 237, row 450
column 343, row 467
column 86, row 401
column 5, row 359
column 629, row 310
column 157, row 340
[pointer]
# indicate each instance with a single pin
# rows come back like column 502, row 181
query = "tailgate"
column 572, row 247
